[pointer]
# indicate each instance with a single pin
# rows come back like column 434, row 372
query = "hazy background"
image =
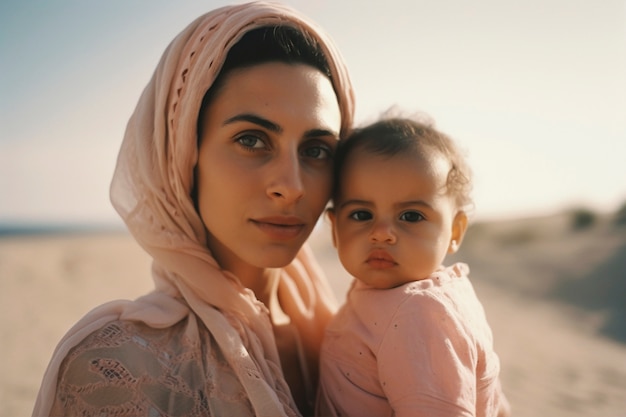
column 534, row 90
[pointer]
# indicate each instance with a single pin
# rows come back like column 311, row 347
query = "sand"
column 555, row 297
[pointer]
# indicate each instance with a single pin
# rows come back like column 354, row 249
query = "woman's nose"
column 382, row 232
column 285, row 182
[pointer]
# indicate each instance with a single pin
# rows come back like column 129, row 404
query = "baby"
column 412, row 338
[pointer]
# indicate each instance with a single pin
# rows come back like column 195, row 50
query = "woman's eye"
column 411, row 216
column 317, row 152
column 360, row 215
column 251, row 141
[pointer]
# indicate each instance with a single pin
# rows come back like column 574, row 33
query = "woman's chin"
column 277, row 258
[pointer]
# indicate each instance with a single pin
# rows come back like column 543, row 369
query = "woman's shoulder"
column 121, row 348
column 127, row 364
column 138, row 347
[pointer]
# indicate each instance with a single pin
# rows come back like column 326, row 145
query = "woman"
column 225, row 167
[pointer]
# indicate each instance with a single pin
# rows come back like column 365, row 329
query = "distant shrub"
column 582, row 218
column 517, row 237
column 476, row 232
column 620, row 215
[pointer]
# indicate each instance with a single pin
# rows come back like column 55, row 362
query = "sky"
column 534, row 91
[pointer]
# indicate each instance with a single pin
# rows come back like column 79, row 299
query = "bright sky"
column 534, row 91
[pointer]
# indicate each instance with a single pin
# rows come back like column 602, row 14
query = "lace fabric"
column 129, row 369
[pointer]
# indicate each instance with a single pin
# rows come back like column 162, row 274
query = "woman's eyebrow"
column 269, row 125
column 321, row 132
column 253, row 118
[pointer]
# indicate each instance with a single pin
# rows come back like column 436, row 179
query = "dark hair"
column 269, row 44
column 276, row 43
column 399, row 135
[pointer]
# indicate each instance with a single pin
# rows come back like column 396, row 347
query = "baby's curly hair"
column 393, row 135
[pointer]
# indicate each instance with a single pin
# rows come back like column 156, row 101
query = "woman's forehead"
column 277, row 91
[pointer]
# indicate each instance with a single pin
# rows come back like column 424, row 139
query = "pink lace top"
column 130, row 369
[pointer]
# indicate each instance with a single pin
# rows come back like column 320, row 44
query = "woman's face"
column 265, row 163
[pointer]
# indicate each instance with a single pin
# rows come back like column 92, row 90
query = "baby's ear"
column 459, row 226
column 330, row 213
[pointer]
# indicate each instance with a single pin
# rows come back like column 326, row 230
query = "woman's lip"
column 281, row 220
column 282, row 227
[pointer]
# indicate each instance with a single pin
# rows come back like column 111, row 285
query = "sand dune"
column 555, row 296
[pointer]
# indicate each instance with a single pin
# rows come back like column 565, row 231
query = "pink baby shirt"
column 420, row 349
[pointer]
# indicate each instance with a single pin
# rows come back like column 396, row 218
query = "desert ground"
column 554, row 289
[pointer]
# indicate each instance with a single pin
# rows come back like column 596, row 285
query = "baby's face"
column 394, row 223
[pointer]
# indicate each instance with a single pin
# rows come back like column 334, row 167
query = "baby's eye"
column 250, row 141
column 411, row 216
column 360, row 215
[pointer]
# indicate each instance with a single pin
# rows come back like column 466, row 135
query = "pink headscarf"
column 151, row 191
